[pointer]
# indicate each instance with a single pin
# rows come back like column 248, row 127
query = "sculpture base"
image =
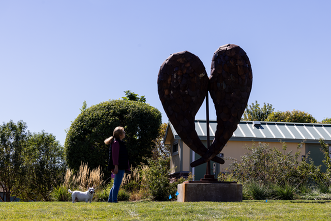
column 196, row 191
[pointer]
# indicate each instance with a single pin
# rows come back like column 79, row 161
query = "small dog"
column 82, row 196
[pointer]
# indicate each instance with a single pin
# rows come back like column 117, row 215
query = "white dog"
column 82, row 196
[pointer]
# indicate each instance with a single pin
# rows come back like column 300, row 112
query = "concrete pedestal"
column 215, row 191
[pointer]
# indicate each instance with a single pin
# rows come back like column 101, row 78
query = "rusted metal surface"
column 230, row 87
column 183, row 85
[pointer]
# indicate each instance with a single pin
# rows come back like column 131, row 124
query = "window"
column 175, row 148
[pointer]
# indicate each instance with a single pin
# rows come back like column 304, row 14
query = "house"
column 306, row 136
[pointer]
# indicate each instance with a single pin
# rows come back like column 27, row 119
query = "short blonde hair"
column 118, row 131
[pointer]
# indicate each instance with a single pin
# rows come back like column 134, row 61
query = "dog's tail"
column 69, row 191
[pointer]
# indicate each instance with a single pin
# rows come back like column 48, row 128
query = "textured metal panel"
column 299, row 132
column 319, row 132
column 213, row 128
column 327, row 129
column 294, row 133
column 270, row 131
column 246, row 130
column 284, row 131
column 304, row 131
column 258, row 131
column 237, row 133
column 266, row 131
column 204, row 127
column 275, row 131
column 199, row 129
column 313, row 132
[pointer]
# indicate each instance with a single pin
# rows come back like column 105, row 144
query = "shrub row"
column 145, row 182
column 268, row 173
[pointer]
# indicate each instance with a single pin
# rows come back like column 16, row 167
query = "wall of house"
column 186, row 158
column 175, row 163
column 236, row 149
column 176, row 157
column 315, row 153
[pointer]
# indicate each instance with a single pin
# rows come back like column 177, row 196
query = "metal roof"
column 267, row 131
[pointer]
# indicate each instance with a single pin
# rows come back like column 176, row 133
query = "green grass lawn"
column 246, row 210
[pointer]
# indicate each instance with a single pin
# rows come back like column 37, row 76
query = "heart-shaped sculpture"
column 230, row 85
column 183, row 85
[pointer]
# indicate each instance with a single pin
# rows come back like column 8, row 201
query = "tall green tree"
column 44, row 167
column 255, row 113
column 13, row 141
column 85, row 138
column 291, row 116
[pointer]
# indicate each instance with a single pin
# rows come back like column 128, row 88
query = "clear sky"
column 56, row 54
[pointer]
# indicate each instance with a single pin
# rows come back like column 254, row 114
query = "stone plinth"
column 215, row 191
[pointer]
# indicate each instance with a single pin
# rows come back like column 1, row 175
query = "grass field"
column 246, row 210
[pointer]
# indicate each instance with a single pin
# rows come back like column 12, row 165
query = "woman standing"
column 118, row 160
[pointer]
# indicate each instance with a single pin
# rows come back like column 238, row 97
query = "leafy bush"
column 291, row 116
column 102, row 196
column 254, row 112
column 131, row 181
column 326, row 121
column 255, row 191
column 134, row 183
column 285, row 192
column 270, row 165
column 315, row 194
column 123, row 195
column 141, row 194
column 269, row 173
column 327, row 162
column 85, row 138
column 102, row 193
column 157, row 179
column 61, row 193
column 151, row 181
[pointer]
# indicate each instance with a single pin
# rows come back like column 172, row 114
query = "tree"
column 291, row 116
column 131, row 96
column 44, row 167
column 255, row 113
column 85, row 138
column 13, row 140
column 161, row 150
column 326, row 121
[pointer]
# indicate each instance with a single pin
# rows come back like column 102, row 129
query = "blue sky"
column 54, row 55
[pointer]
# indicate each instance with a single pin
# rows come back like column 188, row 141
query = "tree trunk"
column 7, row 196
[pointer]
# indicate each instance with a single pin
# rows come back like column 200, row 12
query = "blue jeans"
column 116, row 186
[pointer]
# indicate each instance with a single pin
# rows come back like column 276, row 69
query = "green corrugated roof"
column 267, row 131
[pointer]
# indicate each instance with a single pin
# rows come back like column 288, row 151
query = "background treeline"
column 34, row 166
column 255, row 112
column 31, row 164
